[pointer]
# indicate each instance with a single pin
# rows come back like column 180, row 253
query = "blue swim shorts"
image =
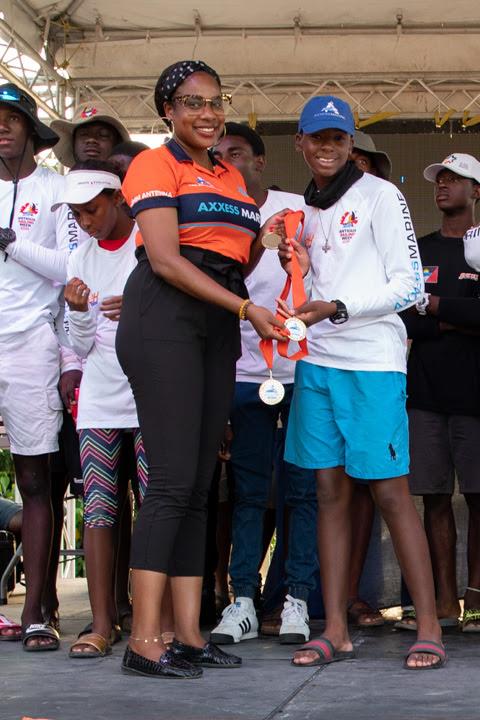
column 351, row 418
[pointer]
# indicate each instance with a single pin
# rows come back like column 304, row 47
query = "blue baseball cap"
column 325, row 112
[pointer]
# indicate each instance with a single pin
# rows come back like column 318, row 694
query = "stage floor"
column 372, row 687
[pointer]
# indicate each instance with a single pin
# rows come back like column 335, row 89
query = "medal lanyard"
column 294, row 222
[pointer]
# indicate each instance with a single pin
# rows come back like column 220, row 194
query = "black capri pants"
column 179, row 355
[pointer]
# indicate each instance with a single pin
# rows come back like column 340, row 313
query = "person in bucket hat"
column 91, row 135
column 13, row 96
column 33, row 246
column 367, row 158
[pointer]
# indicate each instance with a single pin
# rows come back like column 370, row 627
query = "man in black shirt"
column 443, row 386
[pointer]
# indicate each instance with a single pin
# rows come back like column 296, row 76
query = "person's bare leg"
column 334, row 496
column 472, row 598
column 33, row 481
column 410, row 543
column 59, row 484
column 363, row 512
column 147, row 597
column 186, row 594
column 167, row 620
column 441, row 533
column 99, row 559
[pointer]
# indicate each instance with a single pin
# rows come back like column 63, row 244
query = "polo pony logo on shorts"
column 88, row 112
column 348, row 223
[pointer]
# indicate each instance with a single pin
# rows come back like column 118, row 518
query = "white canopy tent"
column 418, row 61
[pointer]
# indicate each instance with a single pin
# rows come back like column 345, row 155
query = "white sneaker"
column 295, row 628
column 239, row 622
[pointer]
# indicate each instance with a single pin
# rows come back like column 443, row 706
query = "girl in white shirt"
column 97, row 273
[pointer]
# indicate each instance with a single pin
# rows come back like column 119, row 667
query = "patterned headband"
column 174, row 75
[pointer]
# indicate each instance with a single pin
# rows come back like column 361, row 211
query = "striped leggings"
column 100, row 456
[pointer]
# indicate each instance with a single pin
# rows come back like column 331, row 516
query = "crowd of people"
column 150, row 301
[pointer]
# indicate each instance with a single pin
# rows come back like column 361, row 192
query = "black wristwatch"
column 341, row 316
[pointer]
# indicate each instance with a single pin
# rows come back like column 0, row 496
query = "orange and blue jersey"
column 214, row 210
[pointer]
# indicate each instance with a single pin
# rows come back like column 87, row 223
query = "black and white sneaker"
column 239, row 622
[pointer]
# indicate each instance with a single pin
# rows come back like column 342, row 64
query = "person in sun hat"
column 367, row 158
column 444, row 417
column 348, row 419
column 92, row 134
column 33, row 244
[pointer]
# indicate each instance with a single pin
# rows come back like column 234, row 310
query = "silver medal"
column 296, row 328
column 271, row 391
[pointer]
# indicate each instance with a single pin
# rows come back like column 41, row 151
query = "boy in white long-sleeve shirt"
column 348, row 417
column 32, row 272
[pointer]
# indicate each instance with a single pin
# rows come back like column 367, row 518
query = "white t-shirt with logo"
column 265, row 284
column 30, row 297
column 471, row 243
column 105, row 398
column 364, row 252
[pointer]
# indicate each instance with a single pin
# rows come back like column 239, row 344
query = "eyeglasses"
column 195, row 103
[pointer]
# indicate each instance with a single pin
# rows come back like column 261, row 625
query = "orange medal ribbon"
column 293, row 224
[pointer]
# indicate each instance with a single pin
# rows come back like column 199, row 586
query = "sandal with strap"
column 427, row 647
column 325, row 652
column 15, row 630
column 40, row 630
column 115, row 635
column 101, row 646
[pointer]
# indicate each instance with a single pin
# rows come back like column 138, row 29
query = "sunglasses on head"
column 10, row 94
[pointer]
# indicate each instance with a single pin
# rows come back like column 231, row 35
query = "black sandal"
column 40, row 630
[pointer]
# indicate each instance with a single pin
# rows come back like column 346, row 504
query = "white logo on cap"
column 330, row 108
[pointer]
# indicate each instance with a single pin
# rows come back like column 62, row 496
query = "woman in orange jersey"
column 178, row 341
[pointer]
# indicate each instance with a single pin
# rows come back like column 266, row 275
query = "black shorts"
column 442, row 446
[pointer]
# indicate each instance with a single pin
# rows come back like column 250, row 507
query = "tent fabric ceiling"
column 412, row 62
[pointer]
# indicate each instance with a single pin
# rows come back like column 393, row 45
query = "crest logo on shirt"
column 88, row 112
column 430, row 274
column 348, row 223
column 93, row 299
column 202, row 181
column 27, row 215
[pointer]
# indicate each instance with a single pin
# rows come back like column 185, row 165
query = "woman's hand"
column 112, row 306
column 274, row 224
column 77, row 294
column 285, row 251
column 266, row 325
